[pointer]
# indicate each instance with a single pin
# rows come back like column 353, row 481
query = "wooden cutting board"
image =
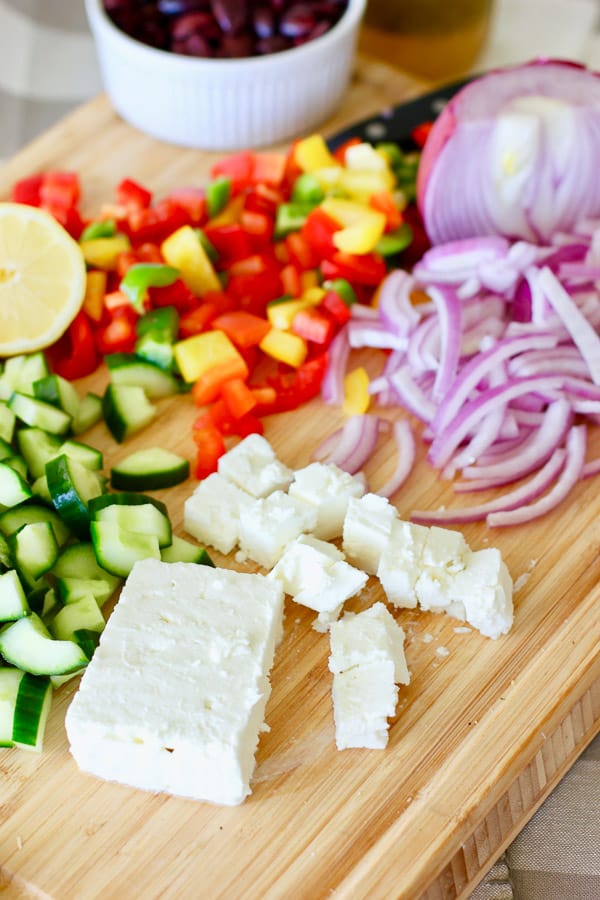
column 482, row 734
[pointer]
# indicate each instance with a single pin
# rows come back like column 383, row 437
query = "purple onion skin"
column 225, row 29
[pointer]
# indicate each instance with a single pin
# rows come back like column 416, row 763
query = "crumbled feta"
column 328, row 488
column 212, row 513
column 367, row 660
column 268, row 524
column 400, row 562
column 315, row 574
column 253, row 466
column 485, row 589
column 367, row 529
column 174, row 697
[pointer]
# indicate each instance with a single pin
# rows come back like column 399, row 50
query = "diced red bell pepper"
column 263, row 198
column 27, row 190
column 258, row 226
column 255, row 264
column 229, row 240
column 318, row 230
column 197, row 320
column 368, row 268
column 238, row 397
column 421, row 133
column 145, row 253
column 60, row 191
column 193, row 201
column 291, row 281
column 253, row 292
column 208, row 385
column 243, row 328
column 177, row 294
column 155, row 223
column 74, row 354
column 132, row 195
column 210, row 447
column 238, row 167
column 335, row 306
column 314, row 325
column 383, row 202
column 119, row 335
column 269, row 168
column 69, row 217
column 292, row 389
column 301, row 253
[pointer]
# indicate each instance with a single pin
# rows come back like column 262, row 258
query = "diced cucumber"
column 180, row 550
column 13, row 489
column 140, row 519
column 82, row 453
column 76, row 620
column 71, row 487
column 6, row 449
column 32, row 705
column 13, row 602
column 40, row 490
column 89, row 412
column 59, row 392
column 124, row 498
column 7, row 422
column 28, row 644
column 6, row 561
column 129, row 369
column 39, row 414
column 13, row 519
column 149, row 470
column 20, row 373
column 10, row 679
column 34, row 549
column 70, row 590
column 118, row 550
column 126, row 409
column 37, row 447
column 17, row 462
column 43, row 601
column 78, row 561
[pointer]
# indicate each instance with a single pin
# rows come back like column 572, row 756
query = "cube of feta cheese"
column 367, row 529
column 367, row 660
column 268, row 524
column 315, row 574
column 443, row 556
column 400, row 562
column 174, row 698
column 485, row 590
column 328, row 488
column 253, row 466
column 212, row 513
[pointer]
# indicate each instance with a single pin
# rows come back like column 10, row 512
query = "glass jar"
column 435, row 39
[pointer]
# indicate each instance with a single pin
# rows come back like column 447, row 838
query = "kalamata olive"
column 297, row 21
column 194, row 45
column 193, row 23
column 236, row 46
column 232, row 15
column 180, row 7
column 263, row 20
column 274, row 44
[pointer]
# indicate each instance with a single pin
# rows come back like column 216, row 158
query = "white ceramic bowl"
column 226, row 104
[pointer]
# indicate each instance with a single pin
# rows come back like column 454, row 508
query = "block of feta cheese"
column 484, row 590
column 315, row 574
column 328, row 488
column 253, row 466
column 444, row 555
column 212, row 513
column 367, row 529
column 268, row 525
column 400, row 563
column 174, row 697
column 367, row 660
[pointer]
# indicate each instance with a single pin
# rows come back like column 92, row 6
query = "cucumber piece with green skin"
column 6, row 560
column 82, row 453
column 71, row 487
column 125, row 498
column 28, row 644
column 13, row 488
column 126, row 410
column 78, row 562
column 89, row 412
column 180, row 550
column 37, row 447
column 15, row 518
column 59, row 392
column 43, row 601
column 70, row 590
column 13, row 602
column 39, row 414
column 117, row 550
column 10, row 679
column 32, row 705
column 82, row 615
column 20, row 373
column 6, row 449
column 17, row 462
column 133, row 371
column 140, row 519
column 7, row 422
column 149, row 470
column 34, row 549
column 40, row 490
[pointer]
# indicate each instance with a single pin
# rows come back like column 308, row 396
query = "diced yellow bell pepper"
column 362, row 226
column 356, row 392
column 313, row 153
column 231, row 212
column 366, row 158
column 103, row 253
column 313, row 294
column 309, row 279
column 328, row 177
column 285, row 347
column 184, row 251
column 201, row 352
column 360, row 184
column 281, row 314
column 95, row 289
column 345, row 212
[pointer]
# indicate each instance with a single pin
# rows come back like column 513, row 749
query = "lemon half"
column 42, row 279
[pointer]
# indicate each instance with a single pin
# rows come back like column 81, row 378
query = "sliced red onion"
column 411, row 396
column 394, row 304
column 592, row 467
column 406, row 446
column 449, row 316
column 373, row 333
column 510, row 500
column 566, row 481
column 350, row 446
column 582, row 333
column 332, row 389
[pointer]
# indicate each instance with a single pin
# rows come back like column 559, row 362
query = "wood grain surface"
column 481, row 734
